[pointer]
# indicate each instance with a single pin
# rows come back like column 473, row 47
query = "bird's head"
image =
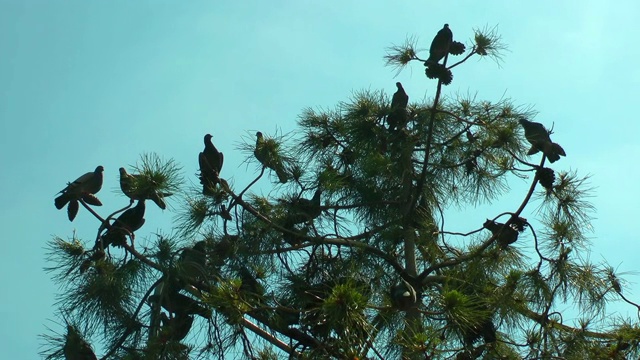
column 99, row 169
column 399, row 85
column 446, row 26
column 258, row 134
column 207, row 138
column 122, row 171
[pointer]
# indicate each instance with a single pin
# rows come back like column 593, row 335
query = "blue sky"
column 87, row 83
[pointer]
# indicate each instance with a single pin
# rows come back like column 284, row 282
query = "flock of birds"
column 83, row 191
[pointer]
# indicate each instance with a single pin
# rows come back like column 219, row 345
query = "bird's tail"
column 553, row 152
column 61, row 201
column 156, row 198
column 558, row 149
column 72, row 210
column 282, row 175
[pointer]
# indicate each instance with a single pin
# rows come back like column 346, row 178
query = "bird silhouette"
column 85, row 187
column 440, row 45
column 538, row 137
column 397, row 117
column 263, row 155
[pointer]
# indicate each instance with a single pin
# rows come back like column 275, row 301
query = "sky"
column 87, row 83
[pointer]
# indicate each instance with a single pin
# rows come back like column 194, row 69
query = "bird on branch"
column 538, row 137
column 83, row 188
column 135, row 187
column 397, row 117
column 126, row 224
column 440, row 45
column 210, row 161
column 267, row 159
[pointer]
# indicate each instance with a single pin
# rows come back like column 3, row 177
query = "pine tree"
column 353, row 258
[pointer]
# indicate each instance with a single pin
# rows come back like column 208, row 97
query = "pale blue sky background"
column 87, row 83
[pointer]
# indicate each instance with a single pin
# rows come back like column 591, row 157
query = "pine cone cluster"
column 547, row 177
column 519, row 224
column 440, row 72
column 456, row 48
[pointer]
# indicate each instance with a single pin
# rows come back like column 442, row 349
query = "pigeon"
column 440, row 45
column 176, row 328
column 539, row 138
column 75, row 347
column 506, row 235
column 126, row 224
column 398, row 115
column 403, row 295
column 130, row 186
column 193, row 261
column 304, row 209
column 89, row 183
column 177, row 303
column 262, row 154
column 210, row 161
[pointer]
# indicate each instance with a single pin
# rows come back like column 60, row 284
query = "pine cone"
column 456, row 48
column 432, row 72
column 446, row 77
column 519, row 224
column 440, row 72
column 547, row 177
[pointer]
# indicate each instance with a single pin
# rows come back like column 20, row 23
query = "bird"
column 75, row 347
column 132, row 185
column 261, row 153
column 193, row 261
column 505, row 235
column 398, row 115
column 89, row 183
column 175, row 302
column 440, row 45
column 538, row 137
column 177, row 327
column 210, row 161
column 403, row 295
column 302, row 209
column 126, row 224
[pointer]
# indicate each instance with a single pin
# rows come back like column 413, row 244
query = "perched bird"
column 193, row 261
column 75, row 347
column 126, row 224
column 210, row 161
column 505, row 235
column 302, row 210
column 177, row 327
column 440, row 45
column 403, row 295
column 250, row 285
column 87, row 184
column 485, row 330
column 539, row 139
column 261, row 153
column 130, row 184
column 177, row 303
column 397, row 118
